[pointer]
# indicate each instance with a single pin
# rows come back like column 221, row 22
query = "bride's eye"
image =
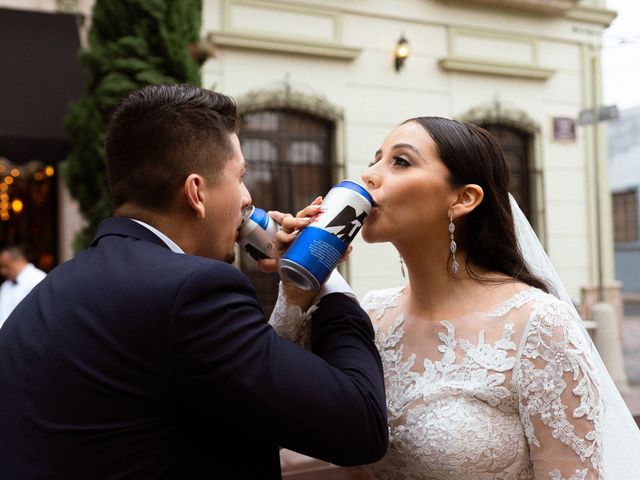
column 401, row 162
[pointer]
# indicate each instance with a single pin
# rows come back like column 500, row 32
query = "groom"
column 148, row 356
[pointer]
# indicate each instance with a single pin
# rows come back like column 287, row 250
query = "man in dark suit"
column 148, row 356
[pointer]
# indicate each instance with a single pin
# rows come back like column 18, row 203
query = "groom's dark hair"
column 486, row 234
column 162, row 133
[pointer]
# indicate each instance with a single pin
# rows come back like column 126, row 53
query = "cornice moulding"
column 571, row 9
column 283, row 45
column 596, row 15
column 549, row 7
column 466, row 65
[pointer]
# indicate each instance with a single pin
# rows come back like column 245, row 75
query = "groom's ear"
column 194, row 193
column 468, row 199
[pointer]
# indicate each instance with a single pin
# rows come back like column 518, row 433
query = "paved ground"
column 631, row 345
column 631, row 349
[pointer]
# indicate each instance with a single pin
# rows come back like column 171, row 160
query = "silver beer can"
column 257, row 233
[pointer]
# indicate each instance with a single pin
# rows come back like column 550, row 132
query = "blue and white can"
column 257, row 233
column 312, row 256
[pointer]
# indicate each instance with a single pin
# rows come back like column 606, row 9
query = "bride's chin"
column 369, row 236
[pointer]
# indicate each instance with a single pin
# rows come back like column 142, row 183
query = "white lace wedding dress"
column 509, row 394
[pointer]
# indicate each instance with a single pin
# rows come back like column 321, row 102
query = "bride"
column 489, row 372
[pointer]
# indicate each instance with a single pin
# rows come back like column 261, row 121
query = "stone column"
column 607, row 341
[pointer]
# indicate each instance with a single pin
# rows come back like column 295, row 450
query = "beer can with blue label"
column 318, row 248
column 257, row 233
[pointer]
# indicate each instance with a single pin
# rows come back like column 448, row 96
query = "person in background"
column 20, row 278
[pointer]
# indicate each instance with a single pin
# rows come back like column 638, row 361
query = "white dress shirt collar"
column 170, row 243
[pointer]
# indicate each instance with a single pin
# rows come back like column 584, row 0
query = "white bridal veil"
column 621, row 436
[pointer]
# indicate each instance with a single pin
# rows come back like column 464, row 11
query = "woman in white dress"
column 488, row 375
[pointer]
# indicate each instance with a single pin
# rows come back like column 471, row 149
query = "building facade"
column 320, row 84
column 524, row 69
column 624, row 177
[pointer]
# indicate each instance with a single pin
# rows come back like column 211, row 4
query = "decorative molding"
column 68, row 6
column 571, row 9
column 497, row 113
column 493, row 52
column 283, row 45
column 286, row 97
column 550, row 7
column 267, row 7
column 487, row 67
column 588, row 14
column 317, row 32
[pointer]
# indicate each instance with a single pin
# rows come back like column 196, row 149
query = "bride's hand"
column 270, row 265
column 290, row 227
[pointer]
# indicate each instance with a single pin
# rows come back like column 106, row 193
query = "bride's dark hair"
column 487, row 234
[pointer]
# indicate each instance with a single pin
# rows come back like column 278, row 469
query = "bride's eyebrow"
column 402, row 145
column 409, row 147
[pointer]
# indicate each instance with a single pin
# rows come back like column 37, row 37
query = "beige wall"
column 543, row 73
column 343, row 50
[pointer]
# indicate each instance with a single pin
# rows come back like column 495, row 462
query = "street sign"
column 593, row 115
column 586, row 117
column 609, row 112
column 563, row 129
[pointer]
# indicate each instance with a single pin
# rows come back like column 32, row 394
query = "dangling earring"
column 402, row 267
column 453, row 246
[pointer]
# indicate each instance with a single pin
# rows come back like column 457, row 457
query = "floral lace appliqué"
column 467, row 414
column 473, row 410
column 554, row 348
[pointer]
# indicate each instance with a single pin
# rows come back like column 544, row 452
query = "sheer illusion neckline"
column 502, row 308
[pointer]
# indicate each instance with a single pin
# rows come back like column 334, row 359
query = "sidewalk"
column 299, row 467
column 631, row 349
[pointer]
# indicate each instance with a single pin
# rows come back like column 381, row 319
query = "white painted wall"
column 375, row 98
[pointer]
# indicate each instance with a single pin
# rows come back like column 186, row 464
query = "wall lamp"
column 401, row 52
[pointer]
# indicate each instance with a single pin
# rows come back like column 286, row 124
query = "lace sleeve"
column 289, row 322
column 559, row 399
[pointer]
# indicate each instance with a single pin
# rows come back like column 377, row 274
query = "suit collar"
column 125, row 227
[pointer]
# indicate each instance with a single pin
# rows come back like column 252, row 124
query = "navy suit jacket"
column 132, row 361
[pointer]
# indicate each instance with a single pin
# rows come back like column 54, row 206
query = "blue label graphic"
column 317, row 251
column 260, row 217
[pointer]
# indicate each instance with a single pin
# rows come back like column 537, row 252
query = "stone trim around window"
column 497, row 113
column 289, row 98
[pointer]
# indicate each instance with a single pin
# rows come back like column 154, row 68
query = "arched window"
column 517, row 148
column 289, row 156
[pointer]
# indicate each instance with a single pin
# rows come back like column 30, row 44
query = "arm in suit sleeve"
column 228, row 362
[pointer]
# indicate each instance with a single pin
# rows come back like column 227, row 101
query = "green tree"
column 132, row 43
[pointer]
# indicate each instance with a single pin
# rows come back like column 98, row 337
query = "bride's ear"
column 468, row 199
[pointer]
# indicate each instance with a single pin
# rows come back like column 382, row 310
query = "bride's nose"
column 370, row 178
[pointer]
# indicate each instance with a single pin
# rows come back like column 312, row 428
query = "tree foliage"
column 132, row 43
